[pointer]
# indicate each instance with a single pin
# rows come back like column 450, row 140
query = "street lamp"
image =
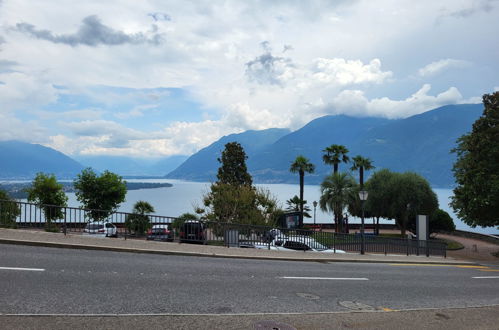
column 363, row 197
column 315, row 205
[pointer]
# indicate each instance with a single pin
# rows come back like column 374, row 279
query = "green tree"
column 50, row 197
column 179, row 221
column 334, row 155
column 441, row 221
column 361, row 164
column 139, row 222
column 337, row 190
column 409, row 194
column 301, row 165
column 378, row 201
column 232, row 198
column 233, row 170
column 476, row 170
column 101, row 194
column 9, row 210
column 295, row 205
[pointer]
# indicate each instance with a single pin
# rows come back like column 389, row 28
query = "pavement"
column 79, row 241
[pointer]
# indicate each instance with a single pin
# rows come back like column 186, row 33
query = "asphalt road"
column 63, row 281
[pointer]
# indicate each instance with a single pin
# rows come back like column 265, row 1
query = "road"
column 35, row 280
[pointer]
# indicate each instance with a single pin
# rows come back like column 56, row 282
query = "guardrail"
column 70, row 219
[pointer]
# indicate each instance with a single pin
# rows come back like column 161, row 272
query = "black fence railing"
column 16, row 214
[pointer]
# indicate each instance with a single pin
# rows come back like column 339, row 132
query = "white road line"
column 26, row 269
column 326, row 278
column 486, row 277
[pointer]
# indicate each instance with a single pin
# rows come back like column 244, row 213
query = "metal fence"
column 74, row 220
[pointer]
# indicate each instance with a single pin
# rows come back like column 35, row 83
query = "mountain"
column 24, row 160
column 203, row 165
column 420, row 143
column 130, row 166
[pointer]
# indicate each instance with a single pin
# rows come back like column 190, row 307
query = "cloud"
column 470, row 9
column 347, row 72
column 439, row 66
column 268, row 69
column 137, row 111
column 354, row 102
column 160, row 17
column 91, row 33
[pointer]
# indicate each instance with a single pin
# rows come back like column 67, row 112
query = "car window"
column 108, row 225
column 295, row 245
column 94, row 226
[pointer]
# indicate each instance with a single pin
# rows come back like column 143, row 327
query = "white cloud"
column 347, row 72
column 354, row 102
column 440, row 66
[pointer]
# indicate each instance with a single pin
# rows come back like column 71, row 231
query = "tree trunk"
column 361, row 174
column 377, row 225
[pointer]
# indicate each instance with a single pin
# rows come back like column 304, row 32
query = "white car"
column 296, row 243
column 101, row 228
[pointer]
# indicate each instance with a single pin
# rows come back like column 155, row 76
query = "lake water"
column 184, row 196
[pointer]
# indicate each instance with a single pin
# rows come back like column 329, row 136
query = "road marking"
column 476, row 267
column 325, row 278
column 26, row 269
column 489, row 270
column 486, row 277
column 426, row 265
column 388, row 309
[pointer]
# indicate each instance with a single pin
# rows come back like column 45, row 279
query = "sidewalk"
column 78, row 241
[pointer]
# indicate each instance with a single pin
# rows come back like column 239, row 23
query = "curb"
column 212, row 255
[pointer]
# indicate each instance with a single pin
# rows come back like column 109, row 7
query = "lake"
column 184, row 196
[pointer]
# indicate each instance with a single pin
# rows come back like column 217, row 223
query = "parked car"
column 160, row 233
column 296, row 243
column 102, row 228
column 192, row 231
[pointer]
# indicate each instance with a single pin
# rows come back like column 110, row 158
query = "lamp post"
column 363, row 197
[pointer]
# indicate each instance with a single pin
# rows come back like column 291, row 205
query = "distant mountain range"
column 420, row 143
column 22, row 160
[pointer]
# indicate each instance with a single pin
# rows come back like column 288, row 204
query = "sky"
column 162, row 78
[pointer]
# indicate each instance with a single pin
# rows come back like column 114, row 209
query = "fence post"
column 407, row 242
column 65, row 228
column 334, row 242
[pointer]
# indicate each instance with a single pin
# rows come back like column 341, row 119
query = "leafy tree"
column 49, row 195
column 240, row 204
column 138, row 222
column 301, row 165
column 409, row 194
column 441, row 221
column 9, row 210
column 378, row 201
column 233, row 170
column 360, row 163
column 232, row 198
column 334, row 155
column 100, row 194
column 295, row 204
column 336, row 191
column 476, row 170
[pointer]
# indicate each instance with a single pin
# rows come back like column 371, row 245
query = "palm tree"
column 336, row 192
column 301, row 165
column 138, row 221
column 295, row 203
column 360, row 163
column 334, row 155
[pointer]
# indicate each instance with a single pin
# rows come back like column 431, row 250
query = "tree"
column 9, row 210
column 378, row 201
column 441, row 221
column 409, row 194
column 232, row 198
column 179, row 221
column 138, row 222
column 360, row 163
column 336, row 191
column 233, row 170
column 334, row 155
column 102, row 194
column 476, row 170
column 301, row 165
column 49, row 195
column 295, row 204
